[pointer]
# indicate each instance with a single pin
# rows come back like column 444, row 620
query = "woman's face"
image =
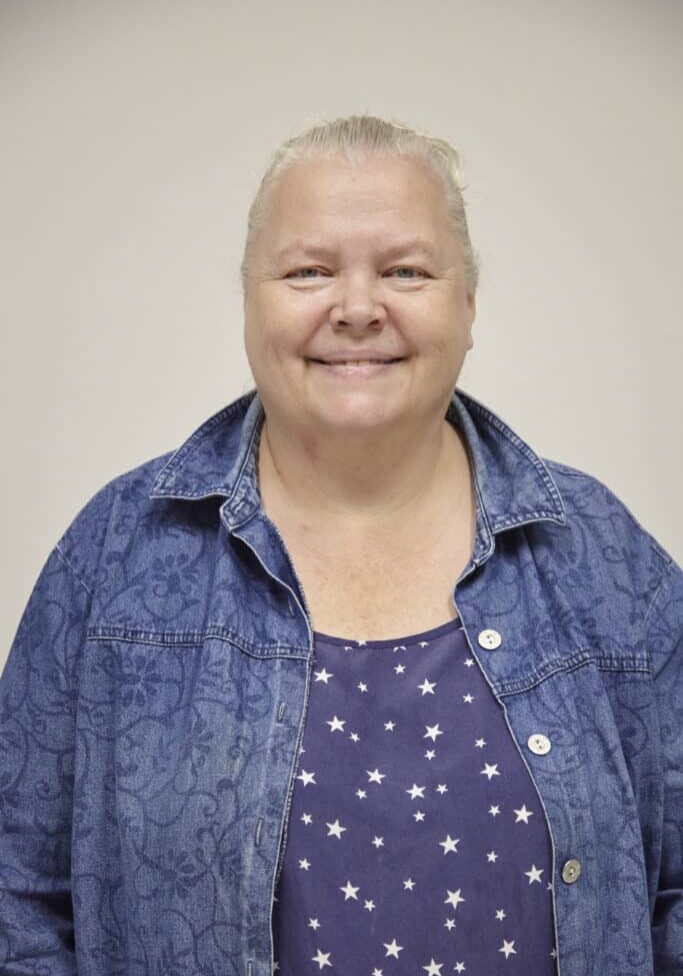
column 355, row 263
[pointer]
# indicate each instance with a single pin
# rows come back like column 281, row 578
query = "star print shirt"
column 416, row 842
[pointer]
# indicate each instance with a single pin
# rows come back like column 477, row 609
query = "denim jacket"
column 154, row 700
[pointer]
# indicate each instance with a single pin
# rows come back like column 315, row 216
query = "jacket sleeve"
column 37, row 729
column 665, row 623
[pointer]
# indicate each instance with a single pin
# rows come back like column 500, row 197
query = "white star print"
column 335, row 829
column 523, row 814
column 534, row 874
column 469, row 661
column 454, row 897
column 376, row 734
column 432, row 732
column 399, row 647
column 377, row 972
column 433, row 968
column 449, row 844
column 393, row 948
column 553, row 953
column 322, row 958
column 350, row 891
column 424, row 643
column 416, row 791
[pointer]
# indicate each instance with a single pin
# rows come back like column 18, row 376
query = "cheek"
column 448, row 351
column 445, row 341
column 278, row 344
column 257, row 341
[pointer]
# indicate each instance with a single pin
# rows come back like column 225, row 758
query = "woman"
column 352, row 681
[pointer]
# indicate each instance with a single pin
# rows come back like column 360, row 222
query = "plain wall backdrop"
column 134, row 134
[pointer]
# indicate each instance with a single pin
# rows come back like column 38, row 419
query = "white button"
column 490, row 639
column 540, row 744
column 571, row 871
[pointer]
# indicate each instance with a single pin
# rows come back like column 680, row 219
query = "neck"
column 367, row 483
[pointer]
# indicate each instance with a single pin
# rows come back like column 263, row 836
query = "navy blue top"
column 416, row 842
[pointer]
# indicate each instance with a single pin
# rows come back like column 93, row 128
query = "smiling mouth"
column 357, row 362
column 356, row 369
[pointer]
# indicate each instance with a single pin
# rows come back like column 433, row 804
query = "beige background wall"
column 133, row 136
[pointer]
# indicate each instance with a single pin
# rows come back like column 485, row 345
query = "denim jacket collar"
column 512, row 483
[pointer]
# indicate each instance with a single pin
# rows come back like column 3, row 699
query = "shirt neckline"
column 425, row 635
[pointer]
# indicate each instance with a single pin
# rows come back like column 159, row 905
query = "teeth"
column 359, row 362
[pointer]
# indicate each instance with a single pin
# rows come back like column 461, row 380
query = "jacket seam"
column 666, row 575
column 628, row 667
column 67, row 562
column 662, row 582
column 191, row 639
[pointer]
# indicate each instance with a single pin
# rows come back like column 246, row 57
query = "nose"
column 357, row 305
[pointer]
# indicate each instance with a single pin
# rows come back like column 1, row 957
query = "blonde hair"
column 356, row 138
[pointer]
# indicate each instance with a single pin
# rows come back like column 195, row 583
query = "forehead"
column 332, row 194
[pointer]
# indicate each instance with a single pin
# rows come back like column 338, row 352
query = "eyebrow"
column 302, row 246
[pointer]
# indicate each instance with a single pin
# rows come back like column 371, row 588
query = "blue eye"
column 298, row 272
column 309, row 273
column 405, row 268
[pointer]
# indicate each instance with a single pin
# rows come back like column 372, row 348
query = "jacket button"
column 539, row 744
column 489, row 639
column 571, row 871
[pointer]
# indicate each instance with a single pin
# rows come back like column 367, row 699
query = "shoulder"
column 619, row 558
column 150, row 501
column 591, row 504
column 109, row 519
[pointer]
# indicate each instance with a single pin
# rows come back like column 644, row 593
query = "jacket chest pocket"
column 183, row 756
